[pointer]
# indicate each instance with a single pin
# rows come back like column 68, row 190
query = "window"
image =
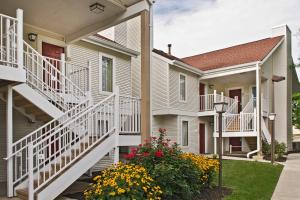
column 107, row 74
column 182, row 87
column 185, row 133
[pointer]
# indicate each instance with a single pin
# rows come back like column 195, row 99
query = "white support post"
column 117, row 123
column 241, row 121
column 20, row 38
column 7, row 25
column 215, row 145
column 63, row 72
column 9, row 140
column 222, row 96
column 215, row 96
column 258, row 107
column 90, row 79
column 30, row 173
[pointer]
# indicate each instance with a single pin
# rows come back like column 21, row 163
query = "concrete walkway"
column 288, row 186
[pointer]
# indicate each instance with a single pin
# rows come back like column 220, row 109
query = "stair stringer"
column 265, row 131
column 38, row 100
column 63, row 181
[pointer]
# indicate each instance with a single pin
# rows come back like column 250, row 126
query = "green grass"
column 250, row 180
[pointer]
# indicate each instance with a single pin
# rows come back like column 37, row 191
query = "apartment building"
column 245, row 76
column 67, row 93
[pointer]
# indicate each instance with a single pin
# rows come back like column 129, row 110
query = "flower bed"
column 171, row 173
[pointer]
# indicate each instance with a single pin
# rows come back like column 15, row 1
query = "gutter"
column 185, row 66
column 111, row 45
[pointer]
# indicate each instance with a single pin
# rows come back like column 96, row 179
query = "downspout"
column 258, row 112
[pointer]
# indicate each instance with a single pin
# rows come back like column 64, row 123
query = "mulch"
column 213, row 194
column 281, row 159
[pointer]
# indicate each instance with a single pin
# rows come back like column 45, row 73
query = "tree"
column 296, row 110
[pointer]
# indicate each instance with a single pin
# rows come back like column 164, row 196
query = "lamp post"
column 272, row 117
column 220, row 108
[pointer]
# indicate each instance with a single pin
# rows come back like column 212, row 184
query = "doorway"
column 237, row 92
column 236, row 143
column 50, row 77
column 201, row 138
column 202, row 99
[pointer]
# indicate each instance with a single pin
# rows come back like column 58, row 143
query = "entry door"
column 202, row 138
column 236, row 142
column 238, row 93
column 202, row 99
column 50, row 76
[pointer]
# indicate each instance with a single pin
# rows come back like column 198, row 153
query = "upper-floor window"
column 182, row 88
column 106, row 82
column 185, row 133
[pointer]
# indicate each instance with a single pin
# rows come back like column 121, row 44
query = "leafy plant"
column 123, row 182
column 296, row 110
column 280, row 148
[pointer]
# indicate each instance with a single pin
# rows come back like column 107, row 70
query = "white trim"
column 187, row 67
column 101, row 55
column 49, row 40
column 171, row 111
column 111, row 45
column 272, row 51
column 185, row 79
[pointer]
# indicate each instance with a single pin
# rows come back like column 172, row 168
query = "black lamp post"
column 220, row 108
column 272, row 117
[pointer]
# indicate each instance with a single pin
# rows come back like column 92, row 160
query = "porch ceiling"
column 65, row 17
column 245, row 78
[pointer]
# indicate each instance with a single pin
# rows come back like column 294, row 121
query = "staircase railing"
column 265, row 131
column 49, row 81
column 249, row 108
column 62, row 148
column 20, row 147
column 9, row 40
column 130, row 115
column 79, row 75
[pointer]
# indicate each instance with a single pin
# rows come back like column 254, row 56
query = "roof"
column 166, row 55
column 235, row 55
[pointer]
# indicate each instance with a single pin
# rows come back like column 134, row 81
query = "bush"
column 280, row 148
column 123, row 182
column 181, row 176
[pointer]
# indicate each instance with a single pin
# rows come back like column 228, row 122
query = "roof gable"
column 235, row 55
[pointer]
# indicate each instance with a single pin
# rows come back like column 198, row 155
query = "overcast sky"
column 197, row 26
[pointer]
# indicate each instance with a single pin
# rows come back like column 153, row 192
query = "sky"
column 198, row 26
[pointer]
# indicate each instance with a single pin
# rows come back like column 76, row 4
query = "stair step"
column 23, row 194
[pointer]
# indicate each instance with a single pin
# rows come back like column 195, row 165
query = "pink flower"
column 159, row 154
column 133, row 150
column 129, row 156
column 146, row 154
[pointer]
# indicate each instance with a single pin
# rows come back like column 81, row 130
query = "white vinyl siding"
column 169, row 123
column 182, row 88
column 82, row 52
column 192, row 97
column 185, row 133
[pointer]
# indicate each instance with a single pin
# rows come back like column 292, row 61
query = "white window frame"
column 188, row 132
column 101, row 55
column 179, row 96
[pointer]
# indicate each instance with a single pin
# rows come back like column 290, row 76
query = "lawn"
column 250, row 180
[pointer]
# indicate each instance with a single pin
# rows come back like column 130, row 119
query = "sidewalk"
column 288, row 186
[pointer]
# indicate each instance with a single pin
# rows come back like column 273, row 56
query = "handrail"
column 90, row 135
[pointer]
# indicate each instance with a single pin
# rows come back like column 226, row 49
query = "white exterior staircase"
column 46, row 161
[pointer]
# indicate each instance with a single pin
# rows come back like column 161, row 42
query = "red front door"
column 236, row 143
column 202, row 138
column 202, row 99
column 238, row 93
column 50, row 76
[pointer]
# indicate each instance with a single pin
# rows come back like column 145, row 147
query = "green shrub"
column 280, row 148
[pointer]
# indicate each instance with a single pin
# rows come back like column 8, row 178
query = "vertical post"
column 222, row 96
column 258, row 108
column 220, row 153
column 117, row 123
column 215, row 145
column 7, row 25
column 273, row 131
column 9, row 140
column 145, row 76
column 30, row 172
column 20, row 38
column 63, row 72
column 215, row 96
column 90, row 79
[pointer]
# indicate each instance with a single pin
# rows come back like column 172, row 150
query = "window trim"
column 181, row 131
column 101, row 55
column 179, row 96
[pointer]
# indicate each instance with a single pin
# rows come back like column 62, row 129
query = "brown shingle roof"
column 166, row 55
column 235, row 55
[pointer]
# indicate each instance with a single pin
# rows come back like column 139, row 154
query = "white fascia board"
column 172, row 111
column 129, row 13
column 187, row 67
column 272, row 51
column 111, row 45
column 247, row 67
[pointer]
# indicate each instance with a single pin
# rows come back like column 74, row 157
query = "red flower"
column 159, row 154
column 129, row 156
column 146, row 154
column 133, row 150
